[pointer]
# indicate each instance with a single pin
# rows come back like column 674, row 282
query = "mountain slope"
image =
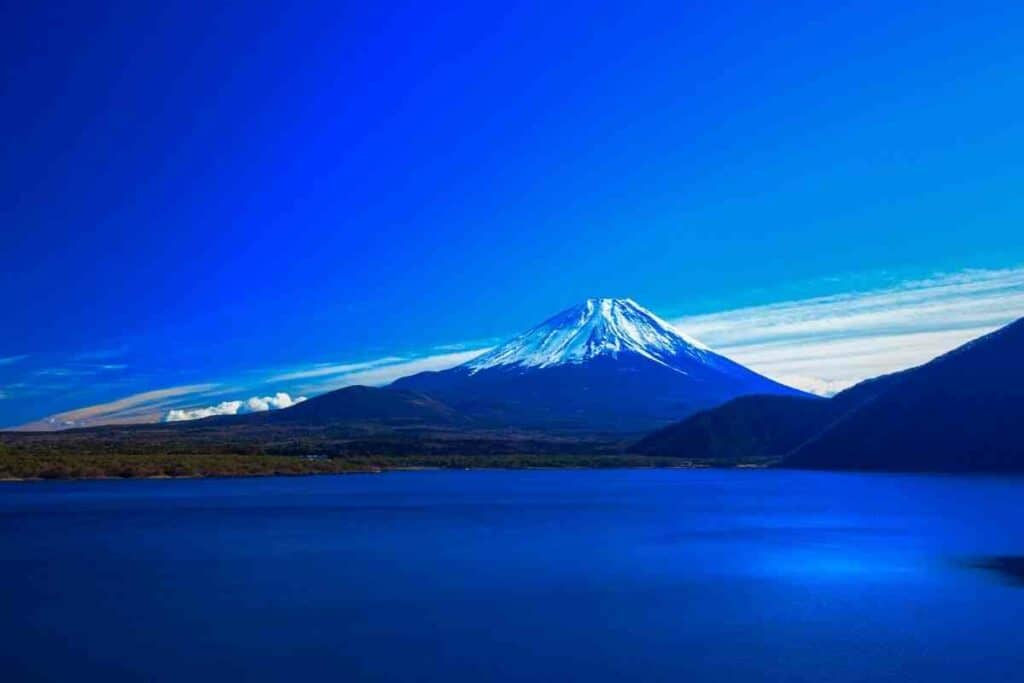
column 961, row 412
column 606, row 364
column 747, row 427
column 958, row 413
column 358, row 404
column 756, row 426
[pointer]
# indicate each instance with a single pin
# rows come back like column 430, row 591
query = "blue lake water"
column 501, row 575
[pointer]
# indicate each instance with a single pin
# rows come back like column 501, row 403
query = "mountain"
column 746, row 428
column 605, row 364
column 960, row 412
column 356, row 404
column 755, row 427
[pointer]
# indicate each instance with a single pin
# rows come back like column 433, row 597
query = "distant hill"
column 354, row 422
column 756, row 426
column 747, row 427
column 604, row 365
column 958, row 413
column 357, row 404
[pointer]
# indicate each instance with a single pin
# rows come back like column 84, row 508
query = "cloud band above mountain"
column 825, row 344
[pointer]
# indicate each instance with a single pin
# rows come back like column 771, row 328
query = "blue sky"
column 208, row 204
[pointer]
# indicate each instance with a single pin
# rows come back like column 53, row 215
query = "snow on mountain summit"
column 605, row 364
column 594, row 328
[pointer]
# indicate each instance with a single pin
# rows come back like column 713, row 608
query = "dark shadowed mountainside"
column 756, row 426
column 752, row 426
column 961, row 412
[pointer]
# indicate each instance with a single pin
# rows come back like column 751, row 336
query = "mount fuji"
column 605, row 364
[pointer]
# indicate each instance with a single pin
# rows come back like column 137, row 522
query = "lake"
column 647, row 575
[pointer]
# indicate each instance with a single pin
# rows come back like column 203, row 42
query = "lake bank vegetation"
column 23, row 464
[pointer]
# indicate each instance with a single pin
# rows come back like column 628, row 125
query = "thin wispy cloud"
column 79, row 370
column 328, row 370
column 384, row 373
column 825, row 344
column 473, row 346
column 55, row 372
column 138, row 408
column 102, row 354
column 10, row 360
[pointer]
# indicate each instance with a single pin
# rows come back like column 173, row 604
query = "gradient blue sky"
column 213, row 200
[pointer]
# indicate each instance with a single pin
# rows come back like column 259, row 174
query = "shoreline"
column 504, row 468
column 346, row 468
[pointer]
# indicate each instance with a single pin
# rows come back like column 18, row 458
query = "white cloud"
column 825, row 344
column 256, row 404
column 8, row 360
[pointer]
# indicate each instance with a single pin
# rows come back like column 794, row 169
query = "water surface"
column 498, row 575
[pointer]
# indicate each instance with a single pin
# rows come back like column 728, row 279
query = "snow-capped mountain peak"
column 594, row 328
column 606, row 364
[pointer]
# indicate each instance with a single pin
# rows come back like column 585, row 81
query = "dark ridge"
column 761, row 427
column 961, row 412
column 751, row 426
